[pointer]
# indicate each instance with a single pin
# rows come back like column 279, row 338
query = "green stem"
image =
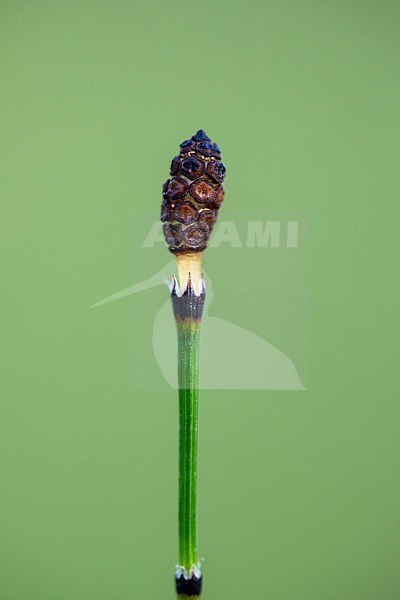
column 188, row 377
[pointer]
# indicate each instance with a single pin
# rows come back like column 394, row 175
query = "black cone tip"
column 200, row 136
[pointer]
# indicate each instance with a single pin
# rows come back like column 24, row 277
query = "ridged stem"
column 188, row 377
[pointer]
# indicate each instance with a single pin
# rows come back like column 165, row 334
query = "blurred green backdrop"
column 299, row 490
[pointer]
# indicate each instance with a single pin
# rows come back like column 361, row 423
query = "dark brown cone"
column 193, row 195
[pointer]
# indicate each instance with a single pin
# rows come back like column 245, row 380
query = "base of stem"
column 188, row 588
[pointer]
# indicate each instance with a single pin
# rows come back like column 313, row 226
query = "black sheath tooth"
column 188, row 305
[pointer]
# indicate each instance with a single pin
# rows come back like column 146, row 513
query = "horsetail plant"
column 191, row 200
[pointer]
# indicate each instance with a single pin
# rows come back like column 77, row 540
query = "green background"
column 299, row 490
